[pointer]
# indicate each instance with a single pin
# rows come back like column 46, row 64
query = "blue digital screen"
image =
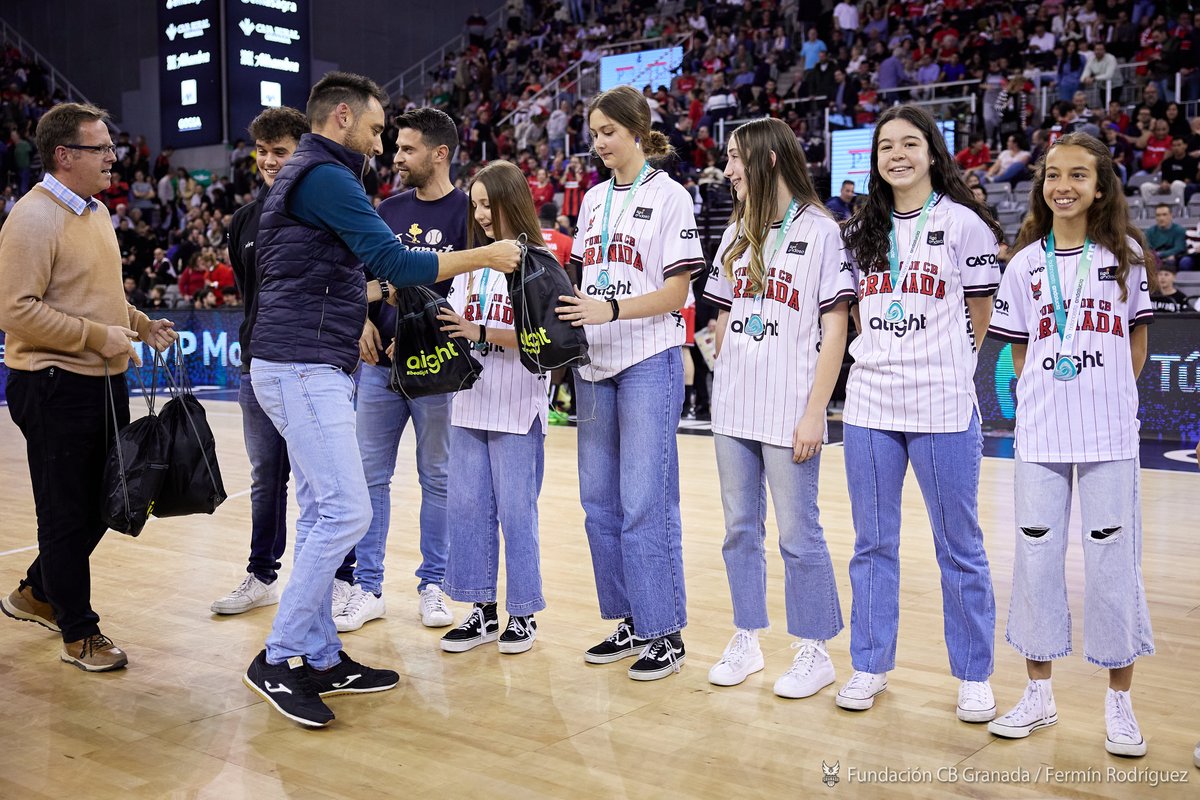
column 850, row 155
column 653, row 67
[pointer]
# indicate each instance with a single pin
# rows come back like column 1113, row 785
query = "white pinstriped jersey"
column 1094, row 416
column 766, row 370
column 655, row 238
column 506, row 397
column 917, row 374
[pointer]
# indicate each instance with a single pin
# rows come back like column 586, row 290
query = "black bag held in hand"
column 193, row 481
column 545, row 341
column 426, row 360
column 136, row 466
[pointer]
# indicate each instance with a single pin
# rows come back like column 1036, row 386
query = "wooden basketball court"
column 179, row 723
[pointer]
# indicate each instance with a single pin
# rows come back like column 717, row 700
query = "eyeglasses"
column 102, row 149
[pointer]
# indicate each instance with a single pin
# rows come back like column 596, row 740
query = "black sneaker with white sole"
column 663, row 656
column 480, row 626
column 350, row 677
column 519, row 635
column 622, row 644
column 289, row 688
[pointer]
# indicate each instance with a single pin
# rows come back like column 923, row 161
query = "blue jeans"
column 1116, row 622
column 809, row 587
column 629, row 487
column 382, row 417
column 495, row 479
column 947, row 469
column 312, row 406
column 269, row 471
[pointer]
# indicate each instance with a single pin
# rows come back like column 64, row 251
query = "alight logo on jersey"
column 425, row 363
column 901, row 327
column 1107, row 273
column 935, row 238
column 754, row 327
column 1082, row 361
column 1037, row 290
column 533, row 341
column 610, row 290
column 797, row 248
column 641, row 212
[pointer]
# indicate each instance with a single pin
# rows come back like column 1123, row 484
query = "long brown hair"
column 866, row 233
column 756, row 141
column 628, row 108
column 1107, row 218
column 511, row 202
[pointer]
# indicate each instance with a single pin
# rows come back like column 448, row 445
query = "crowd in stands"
column 743, row 59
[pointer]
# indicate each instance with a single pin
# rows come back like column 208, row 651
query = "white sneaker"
column 361, row 609
column 742, row 658
column 976, row 703
column 811, row 671
column 1196, row 755
column 434, row 613
column 252, row 593
column 1035, row 710
column 342, row 592
column 1124, row 737
column 859, row 692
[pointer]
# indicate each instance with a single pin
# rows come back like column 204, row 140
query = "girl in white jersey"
column 497, row 435
column 635, row 252
column 924, row 254
column 781, row 335
column 1074, row 304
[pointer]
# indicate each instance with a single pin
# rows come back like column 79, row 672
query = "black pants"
column 68, row 430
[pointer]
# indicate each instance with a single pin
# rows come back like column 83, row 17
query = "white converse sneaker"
column 811, row 671
column 434, row 613
column 976, row 703
column 859, row 692
column 362, row 607
column 743, row 657
column 252, row 593
column 1035, row 710
column 1124, row 737
column 342, row 592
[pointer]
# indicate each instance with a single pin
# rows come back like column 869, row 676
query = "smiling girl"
column 1074, row 303
column 924, row 251
column 635, row 252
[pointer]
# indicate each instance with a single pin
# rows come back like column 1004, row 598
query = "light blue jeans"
column 810, row 592
column 947, row 469
column 1116, row 623
column 312, row 406
column 629, row 487
column 382, row 417
column 495, row 479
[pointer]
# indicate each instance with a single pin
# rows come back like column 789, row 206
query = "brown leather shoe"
column 21, row 604
column 96, row 653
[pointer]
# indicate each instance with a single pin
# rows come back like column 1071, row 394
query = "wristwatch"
column 385, row 290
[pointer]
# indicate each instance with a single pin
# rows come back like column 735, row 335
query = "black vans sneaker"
column 664, row 656
column 350, row 677
column 519, row 635
column 289, row 688
column 621, row 644
column 480, row 626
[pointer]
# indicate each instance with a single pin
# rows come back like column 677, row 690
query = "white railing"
column 56, row 79
column 412, row 81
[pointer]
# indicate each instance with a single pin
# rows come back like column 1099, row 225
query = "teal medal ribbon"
column 484, row 308
column 895, row 311
column 1064, row 364
column 754, row 325
column 602, row 280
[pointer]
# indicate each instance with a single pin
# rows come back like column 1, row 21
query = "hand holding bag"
column 426, row 360
column 136, row 466
column 545, row 341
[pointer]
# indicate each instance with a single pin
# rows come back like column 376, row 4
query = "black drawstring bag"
column 545, row 341
column 136, row 466
column 426, row 361
column 193, row 481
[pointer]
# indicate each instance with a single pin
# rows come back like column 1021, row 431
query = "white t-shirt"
column 763, row 377
column 917, row 375
column 506, row 397
column 653, row 239
column 846, row 15
column 1094, row 416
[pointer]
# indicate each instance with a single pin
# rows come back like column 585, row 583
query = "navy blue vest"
column 312, row 293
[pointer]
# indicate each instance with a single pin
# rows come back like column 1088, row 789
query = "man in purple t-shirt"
column 430, row 215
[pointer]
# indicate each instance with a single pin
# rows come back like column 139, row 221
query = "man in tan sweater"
column 63, row 309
